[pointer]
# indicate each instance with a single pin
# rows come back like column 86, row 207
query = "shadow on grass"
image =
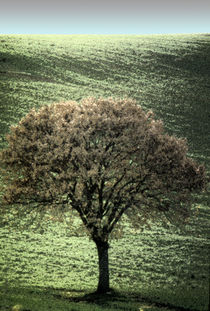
column 49, row 299
column 128, row 301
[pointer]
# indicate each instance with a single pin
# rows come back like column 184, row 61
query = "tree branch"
column 112, row 192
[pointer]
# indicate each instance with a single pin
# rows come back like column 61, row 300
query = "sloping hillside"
column 168, row 73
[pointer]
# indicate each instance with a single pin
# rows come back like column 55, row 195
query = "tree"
column 101, row 158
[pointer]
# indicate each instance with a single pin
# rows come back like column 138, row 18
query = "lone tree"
column 102, row 158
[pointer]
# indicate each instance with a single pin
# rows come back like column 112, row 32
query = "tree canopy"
column 102, row 158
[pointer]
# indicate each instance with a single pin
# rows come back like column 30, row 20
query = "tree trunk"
column 103, row 260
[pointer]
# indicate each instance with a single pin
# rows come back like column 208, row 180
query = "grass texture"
column 159, row 269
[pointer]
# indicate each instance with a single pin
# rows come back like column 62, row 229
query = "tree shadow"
column 113, row 298
column 92, row 297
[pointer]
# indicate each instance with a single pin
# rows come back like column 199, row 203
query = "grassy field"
column 158, row 269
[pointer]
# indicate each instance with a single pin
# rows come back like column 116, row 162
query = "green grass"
column 157, row 265
column 39, row 299
column 50, row 299
column 167, row 73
